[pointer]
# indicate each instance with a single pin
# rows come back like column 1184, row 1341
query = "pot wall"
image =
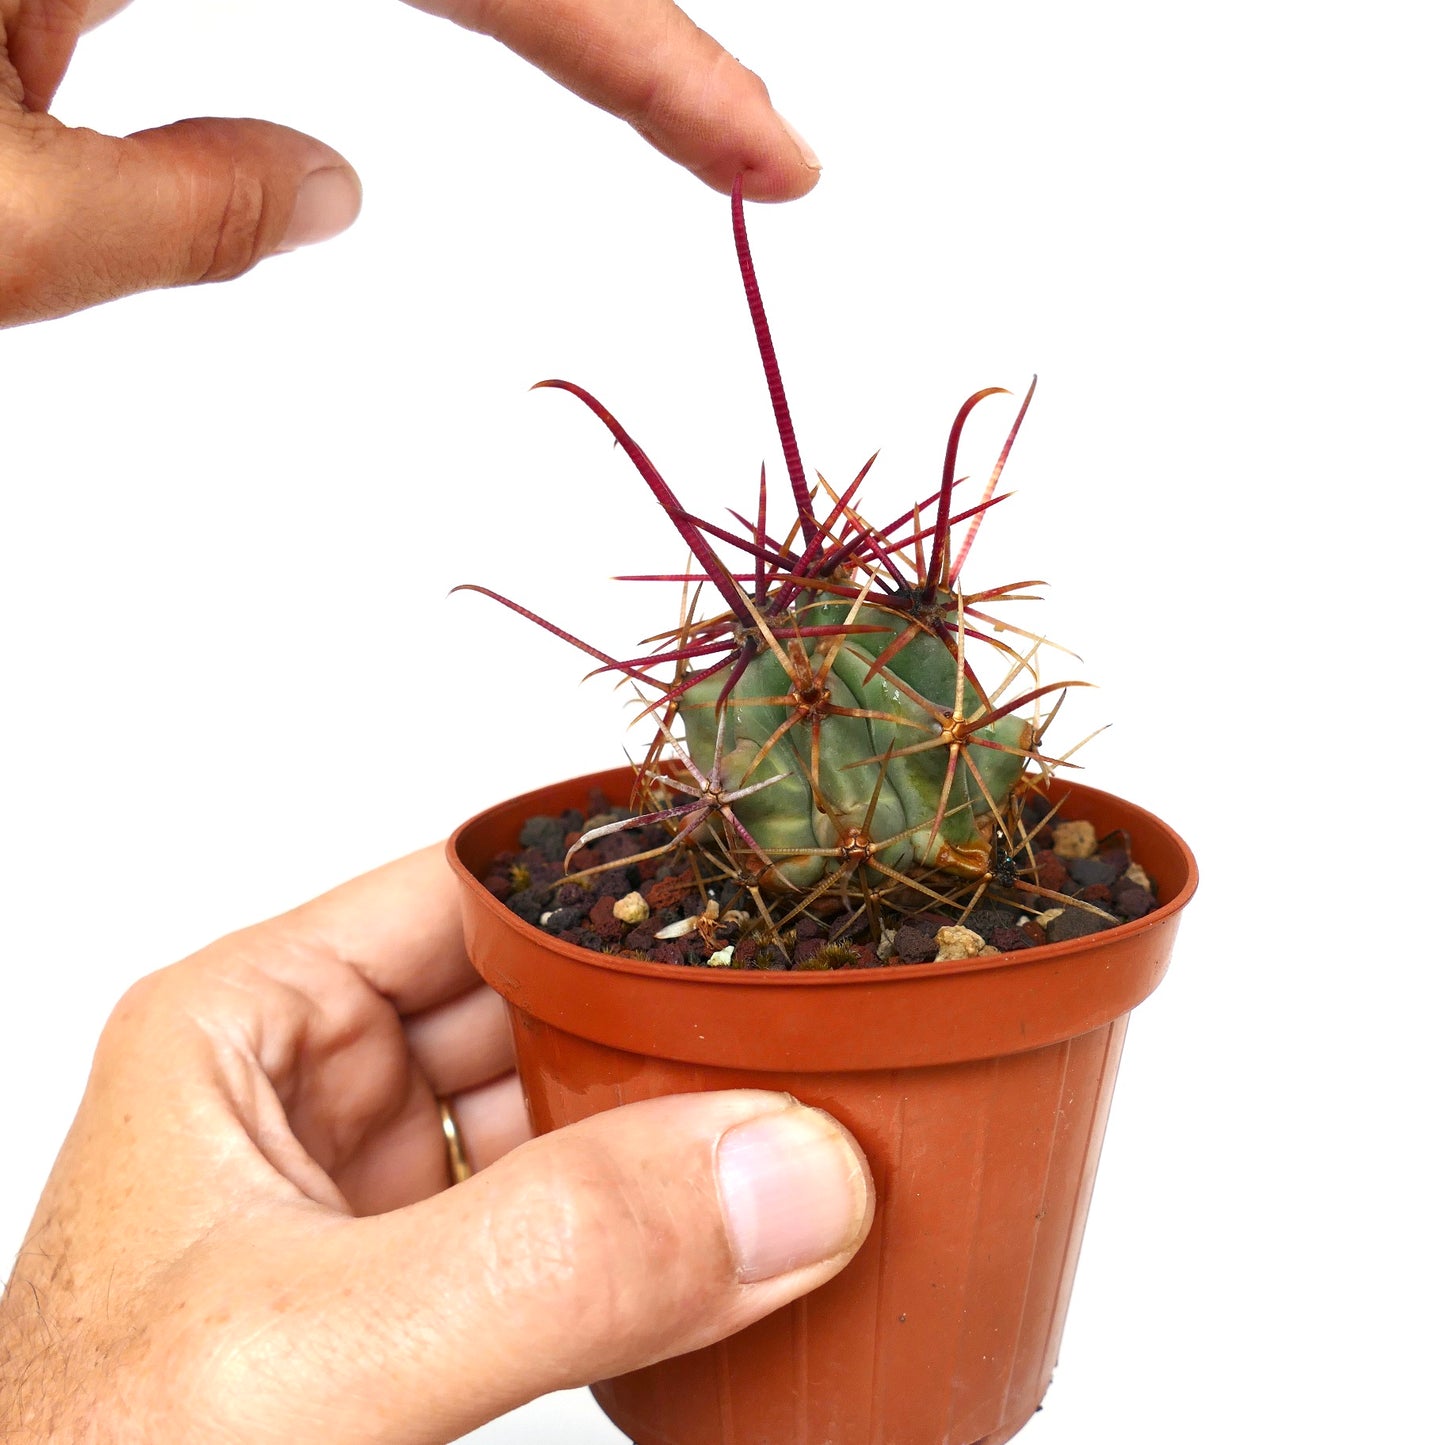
column 946, row 1325
column 979, row 1092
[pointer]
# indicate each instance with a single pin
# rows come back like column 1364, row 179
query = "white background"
column 231, row 517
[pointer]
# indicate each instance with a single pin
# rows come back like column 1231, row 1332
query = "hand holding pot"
column 248, row 1234
column 86, row 217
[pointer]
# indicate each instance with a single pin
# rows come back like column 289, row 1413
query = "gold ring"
column 457, row 1161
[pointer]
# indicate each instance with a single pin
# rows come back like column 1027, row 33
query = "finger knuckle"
column 167, row 993
column 578, row 1238
column 33, row 226
column 230, row 232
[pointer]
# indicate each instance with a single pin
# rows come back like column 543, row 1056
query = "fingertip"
column 796, row 1193
column 328, row 200
column 776, row 183
column 786, row 172
column 765, row 184
column 648, row 63
column 812, row 166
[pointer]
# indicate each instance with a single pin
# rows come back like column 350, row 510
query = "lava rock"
column 1036, row 810
column 540, row 869
column 528, row 903
column 915, row 944
column 1011, row 939
column 986, row 918
column 694, row 948
column 1087, row 871
column 644, row 935
column 546, row 835
column 647, row 869
column 853, row 930
column 615, row 847
column 1133, row 903
column 571, row 895
column 1117, row 858
column 807, row 951
column 1126, row 882
column 1050, row 871
column 1076, row 923
column 583, row 858
column 668, row 891
column 935, row 921
column 559, row 920
column 614, row 883
column 605, row 923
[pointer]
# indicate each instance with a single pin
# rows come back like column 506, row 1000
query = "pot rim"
column 833, row 978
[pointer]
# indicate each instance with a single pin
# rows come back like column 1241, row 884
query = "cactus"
column 836, row 737
column 842, row 731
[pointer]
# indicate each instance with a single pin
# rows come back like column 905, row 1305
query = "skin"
column 248, row 1234
column 86, row 217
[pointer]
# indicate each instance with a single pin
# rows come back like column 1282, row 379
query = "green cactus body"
column 854, row 771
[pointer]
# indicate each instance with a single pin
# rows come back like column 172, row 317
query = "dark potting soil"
column 662, row 910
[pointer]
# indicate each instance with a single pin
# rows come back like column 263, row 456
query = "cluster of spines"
column 905, row 573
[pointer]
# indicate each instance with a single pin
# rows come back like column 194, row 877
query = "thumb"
column 86, row 217
column 644, row 1232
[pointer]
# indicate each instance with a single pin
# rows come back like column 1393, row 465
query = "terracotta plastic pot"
column 979, row 1091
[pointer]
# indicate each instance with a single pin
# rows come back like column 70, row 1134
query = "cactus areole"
column 826, row 731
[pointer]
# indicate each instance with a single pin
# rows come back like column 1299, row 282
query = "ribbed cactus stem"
column 889, row 756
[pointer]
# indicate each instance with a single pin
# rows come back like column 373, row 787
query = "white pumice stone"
column 1075, row 840
column 956, row 943
column 632, row 909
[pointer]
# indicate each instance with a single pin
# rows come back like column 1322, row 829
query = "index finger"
column 399, row 927
column 645, row 61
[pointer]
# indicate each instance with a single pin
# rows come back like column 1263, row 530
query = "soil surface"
column 661, row 909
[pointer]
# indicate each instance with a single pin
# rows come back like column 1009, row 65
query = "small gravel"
column 652, row 909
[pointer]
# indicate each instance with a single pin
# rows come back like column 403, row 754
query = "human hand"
column 86, row 217
column 248, row 1236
